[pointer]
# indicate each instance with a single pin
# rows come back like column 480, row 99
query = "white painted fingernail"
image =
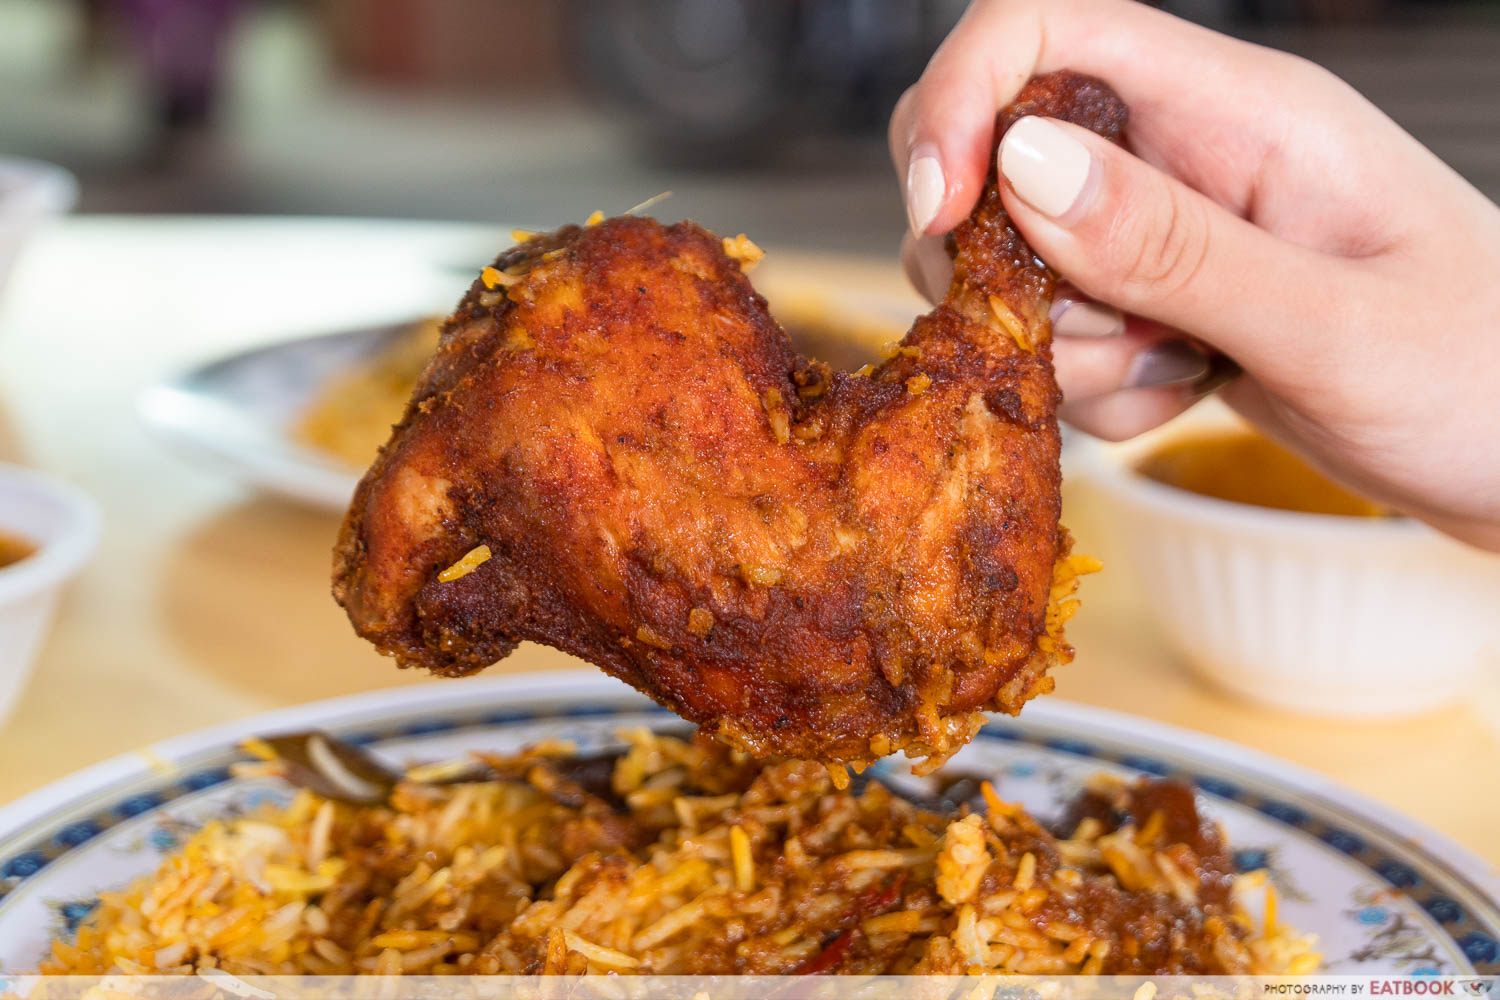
column 1084, row 318
column 1169, row 362
column 925, row 187
column 1047, row 166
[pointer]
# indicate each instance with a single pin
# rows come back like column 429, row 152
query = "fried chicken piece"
column 616, row 452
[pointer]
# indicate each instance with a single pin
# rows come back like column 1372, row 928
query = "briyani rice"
column 683, row 857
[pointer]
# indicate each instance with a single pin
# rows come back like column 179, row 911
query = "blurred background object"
column 766, row 117
column 48, row 530
column 733, row 81
column 31, row 194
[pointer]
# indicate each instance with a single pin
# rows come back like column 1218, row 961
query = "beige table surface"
column 207, row 602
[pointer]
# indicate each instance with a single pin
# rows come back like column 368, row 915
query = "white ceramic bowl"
column 1319, row 614
column 31, row 193
column 63, row 522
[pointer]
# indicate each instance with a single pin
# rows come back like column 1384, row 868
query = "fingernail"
column 1047, row 166
column 925, row 187
column 1083, row 318
column 1170, row 362
column 1222, row 369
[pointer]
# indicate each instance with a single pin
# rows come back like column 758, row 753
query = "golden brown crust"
column 817, row 564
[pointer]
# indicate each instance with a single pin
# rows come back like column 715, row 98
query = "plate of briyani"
column 563, row 824
column 304, row 418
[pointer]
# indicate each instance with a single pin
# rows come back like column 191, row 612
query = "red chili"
column 873, row 903
column 878, row 902
column 829, row 956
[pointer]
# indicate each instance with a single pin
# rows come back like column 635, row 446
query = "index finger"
column 1156, row 62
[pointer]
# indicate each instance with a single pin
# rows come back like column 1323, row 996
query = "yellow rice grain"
column 599, row 954
column 471, row 561
column 744, row 863
column 744, row 250
column 259, row 748
column 1011, row 324
column 1025, row 872
column 900, row 922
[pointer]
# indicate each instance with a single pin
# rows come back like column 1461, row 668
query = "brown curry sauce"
column 13, row 549
column 1244, row 467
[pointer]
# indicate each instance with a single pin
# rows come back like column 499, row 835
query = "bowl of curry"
column 48, row 530
column 1281, row 586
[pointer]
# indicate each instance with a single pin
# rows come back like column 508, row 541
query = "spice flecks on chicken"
column 804, row 562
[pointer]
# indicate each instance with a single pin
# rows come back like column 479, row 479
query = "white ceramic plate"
column 1383, row 894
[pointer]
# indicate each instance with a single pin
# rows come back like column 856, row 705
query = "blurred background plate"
column 1383, row 894
column 240, row 412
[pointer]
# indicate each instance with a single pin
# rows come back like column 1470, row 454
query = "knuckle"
column 1161, row 243
column 1098, row 418
column 899, row 129
column 1301, row 73
column 902, row 112
column 1112, row 433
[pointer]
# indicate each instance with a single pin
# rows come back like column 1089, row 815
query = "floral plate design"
column 1383, row 894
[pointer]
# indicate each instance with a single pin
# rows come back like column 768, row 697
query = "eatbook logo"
column 1423, row 986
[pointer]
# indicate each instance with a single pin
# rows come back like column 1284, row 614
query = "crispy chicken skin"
column 820, row 564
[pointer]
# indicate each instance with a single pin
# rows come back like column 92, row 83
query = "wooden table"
column 207, row 602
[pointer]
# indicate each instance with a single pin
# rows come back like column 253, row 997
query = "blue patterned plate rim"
column 39, row 828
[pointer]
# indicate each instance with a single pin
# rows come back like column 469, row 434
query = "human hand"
column 1264, row 211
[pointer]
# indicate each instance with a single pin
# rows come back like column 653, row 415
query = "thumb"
column 1130, row 235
